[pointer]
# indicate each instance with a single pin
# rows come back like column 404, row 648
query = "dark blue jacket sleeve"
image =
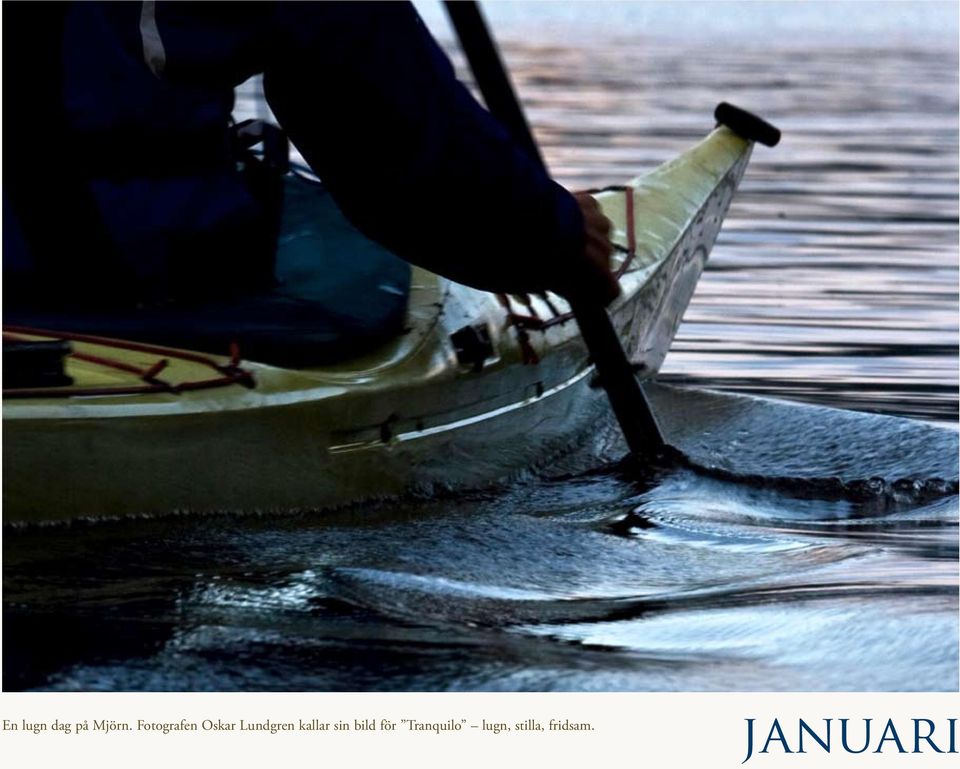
column 372, row 103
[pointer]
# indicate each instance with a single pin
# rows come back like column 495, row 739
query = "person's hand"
column 592, row 279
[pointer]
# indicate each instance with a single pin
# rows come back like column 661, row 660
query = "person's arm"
column 372, row 103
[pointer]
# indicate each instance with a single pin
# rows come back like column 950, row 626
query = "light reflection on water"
column 834, row 281
column 835, row 276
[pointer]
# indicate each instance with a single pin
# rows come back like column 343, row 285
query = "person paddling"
column 125, row 110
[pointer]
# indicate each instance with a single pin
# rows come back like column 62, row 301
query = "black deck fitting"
column 746, row 124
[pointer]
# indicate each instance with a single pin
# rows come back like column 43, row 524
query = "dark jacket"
column 137, row 107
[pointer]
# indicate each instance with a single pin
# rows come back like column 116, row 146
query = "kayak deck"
column 415, row 414
column 111, row 367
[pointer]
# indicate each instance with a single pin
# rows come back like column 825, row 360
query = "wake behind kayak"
column 806, row 449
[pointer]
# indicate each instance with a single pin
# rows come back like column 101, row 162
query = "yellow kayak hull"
column 409, row 417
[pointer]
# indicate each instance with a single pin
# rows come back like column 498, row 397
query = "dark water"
column 834, row 282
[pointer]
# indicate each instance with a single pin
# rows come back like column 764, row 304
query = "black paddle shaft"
column 616, row 373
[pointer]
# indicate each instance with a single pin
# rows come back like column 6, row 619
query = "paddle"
column 616, row 373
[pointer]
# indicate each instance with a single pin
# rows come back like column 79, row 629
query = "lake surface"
column 834, row 283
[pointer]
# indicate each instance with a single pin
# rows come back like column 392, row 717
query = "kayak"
column 478, row 387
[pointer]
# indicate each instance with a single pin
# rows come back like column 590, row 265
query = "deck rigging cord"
column 523, row 323
column 229, row 373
